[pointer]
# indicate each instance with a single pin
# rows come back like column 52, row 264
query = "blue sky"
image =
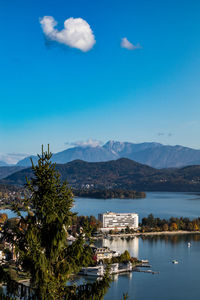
column 53, row 93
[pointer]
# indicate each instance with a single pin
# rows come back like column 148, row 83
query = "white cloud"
column 88, row 143
column 76, row 33
column 128, row 45
column 169, row 134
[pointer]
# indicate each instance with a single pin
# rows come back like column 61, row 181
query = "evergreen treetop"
column 40, row 239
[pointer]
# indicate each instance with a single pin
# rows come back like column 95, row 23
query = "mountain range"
column 120, row 174
column 152, row 154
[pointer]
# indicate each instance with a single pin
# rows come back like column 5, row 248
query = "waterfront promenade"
column 152, row 233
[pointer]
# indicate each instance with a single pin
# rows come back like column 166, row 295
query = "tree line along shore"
column 109, row 193
column 148, row 226
column 10, row 195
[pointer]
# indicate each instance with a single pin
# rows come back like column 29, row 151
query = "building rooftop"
column 118, row 213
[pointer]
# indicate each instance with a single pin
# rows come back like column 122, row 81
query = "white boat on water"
column 189, row 245
column 175, row 261
column 144, row 261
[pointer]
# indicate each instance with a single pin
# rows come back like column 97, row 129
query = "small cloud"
column 128, row 45
column 76, row 33
column 88, row 143
column 161, row 133
column 164, row 134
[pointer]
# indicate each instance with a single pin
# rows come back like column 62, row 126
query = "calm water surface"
column 161, row 204
column 175, row 281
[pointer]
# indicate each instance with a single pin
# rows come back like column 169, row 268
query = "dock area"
column 146, row 271
column 116, row 268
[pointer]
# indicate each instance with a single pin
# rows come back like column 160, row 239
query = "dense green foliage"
column 40, row 240
column 109, row 193
column 88, row 222
column 122, row 258
column 156, row 224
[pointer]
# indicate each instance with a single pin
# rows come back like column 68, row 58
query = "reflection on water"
column 183, row 278
column 121, row 244
column 174, row 282
column 173, row 239
column 128, row 275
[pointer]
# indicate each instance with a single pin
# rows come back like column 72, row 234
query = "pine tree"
column 40, row 239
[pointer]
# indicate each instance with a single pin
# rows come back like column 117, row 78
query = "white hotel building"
column 118, row 221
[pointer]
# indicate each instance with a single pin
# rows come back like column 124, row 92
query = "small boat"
column 175, row 261
column 144, row 261
column 189, row 245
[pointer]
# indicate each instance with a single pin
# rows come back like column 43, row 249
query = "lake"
column 161, row 204
column 175, row 281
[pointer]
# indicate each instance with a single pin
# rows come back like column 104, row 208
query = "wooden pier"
column 146, row 271
column 144, row 266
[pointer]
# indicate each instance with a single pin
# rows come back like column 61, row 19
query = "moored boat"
column 174, row 261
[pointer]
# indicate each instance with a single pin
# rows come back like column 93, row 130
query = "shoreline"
column 153, row 233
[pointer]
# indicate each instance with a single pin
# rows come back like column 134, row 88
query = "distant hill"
column 152, row 154
column 6, row 171
column 120, row 174
column 3, row 164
